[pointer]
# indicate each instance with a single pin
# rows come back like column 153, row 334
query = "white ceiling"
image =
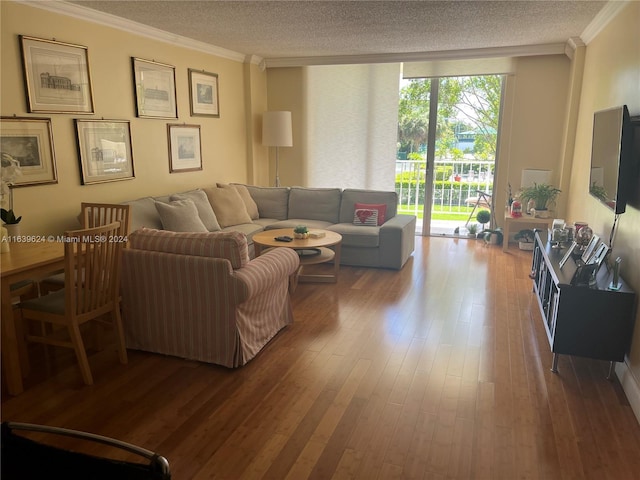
column 308, row 29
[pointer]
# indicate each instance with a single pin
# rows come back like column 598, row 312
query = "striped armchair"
column 199, row 296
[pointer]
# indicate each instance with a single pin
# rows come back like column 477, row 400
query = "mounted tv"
column 614, row 160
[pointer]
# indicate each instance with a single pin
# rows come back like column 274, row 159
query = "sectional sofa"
column 373, row 233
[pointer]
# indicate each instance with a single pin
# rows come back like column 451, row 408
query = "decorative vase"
column 4, row 246
column 301, row 235
column 13, row 230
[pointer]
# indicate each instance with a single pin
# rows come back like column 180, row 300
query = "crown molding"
column 602, row 19
column 465, row 54
column 108, row 20
column 572, row 45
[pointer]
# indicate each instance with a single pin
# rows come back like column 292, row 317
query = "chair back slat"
column 92, row 257
column 96, row 214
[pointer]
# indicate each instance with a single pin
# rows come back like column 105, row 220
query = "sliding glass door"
column 447, row 144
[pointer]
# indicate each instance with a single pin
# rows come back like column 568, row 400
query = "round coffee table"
column 312, row 251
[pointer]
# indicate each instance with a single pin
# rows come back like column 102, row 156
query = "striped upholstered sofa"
column 199, row 296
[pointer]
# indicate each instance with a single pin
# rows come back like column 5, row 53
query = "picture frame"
column 185, row 149
column 583, row 275
column 104, row 150
column 56, row 76
column 567, row 254
column 154, row 85
column 586, row 254
column 599, row 254
column 29, row 140
column 203, row 94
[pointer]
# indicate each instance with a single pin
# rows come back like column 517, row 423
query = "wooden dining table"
column 29, row 260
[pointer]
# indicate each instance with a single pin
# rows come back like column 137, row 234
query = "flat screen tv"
column 614, row 160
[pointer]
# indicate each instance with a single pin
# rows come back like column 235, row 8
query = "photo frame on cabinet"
column 104, row 150
column 29, row 142
column 185, row 151
column 599, row 254
column 583, row 275
column 203, row 93
column 567, row 254
column 56, row 75
column 155, row 89
column 591, row 246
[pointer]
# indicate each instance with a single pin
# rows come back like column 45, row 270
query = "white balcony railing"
column 456, row 184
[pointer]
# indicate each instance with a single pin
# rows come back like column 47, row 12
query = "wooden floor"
column 438, row 371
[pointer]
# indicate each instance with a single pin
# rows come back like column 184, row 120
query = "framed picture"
column 155, row 87
column 591, row 246
column 185, row 153
column 29, row 141
column 567, row 255
column 203, row 93
column 599, row 254
column 56, row 76
column 584, row 275
column 104, row 150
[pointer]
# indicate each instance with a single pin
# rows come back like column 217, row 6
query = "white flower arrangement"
column 9, row 173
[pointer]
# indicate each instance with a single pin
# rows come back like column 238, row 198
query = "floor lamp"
column 276, row 132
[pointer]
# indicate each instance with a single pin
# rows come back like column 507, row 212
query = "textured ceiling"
column 285, row 29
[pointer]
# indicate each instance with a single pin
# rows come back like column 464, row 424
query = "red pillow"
column 380, row 207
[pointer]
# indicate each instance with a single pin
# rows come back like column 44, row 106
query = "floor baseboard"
column 631, row 387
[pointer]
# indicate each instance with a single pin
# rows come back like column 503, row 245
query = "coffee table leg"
column 336, row 260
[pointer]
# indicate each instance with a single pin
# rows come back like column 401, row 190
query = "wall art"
column 104, row 150
column 155, row 88
column 185, row 153
column 203, row 93
column 56, row 76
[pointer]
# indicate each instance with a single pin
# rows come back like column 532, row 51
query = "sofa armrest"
column 261, row 272
column 397, row 240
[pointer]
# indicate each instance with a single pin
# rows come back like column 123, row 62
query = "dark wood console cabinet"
column 593, row 321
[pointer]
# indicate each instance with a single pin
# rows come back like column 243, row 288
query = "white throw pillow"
column 365, row 216
column 180, row 216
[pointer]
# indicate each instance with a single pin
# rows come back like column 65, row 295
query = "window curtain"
column 352, row 123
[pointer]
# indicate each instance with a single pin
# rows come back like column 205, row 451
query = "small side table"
column 521, row 221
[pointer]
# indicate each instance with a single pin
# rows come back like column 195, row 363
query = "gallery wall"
column 230, row 149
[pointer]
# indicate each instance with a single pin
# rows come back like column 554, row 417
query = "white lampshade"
column 276, row 129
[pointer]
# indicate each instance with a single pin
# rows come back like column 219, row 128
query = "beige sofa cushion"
column 205, row 212
column 249, row 203
column 228, row 206
column 229, row 245
column 180, row 216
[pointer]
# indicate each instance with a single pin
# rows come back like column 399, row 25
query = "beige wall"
column 50, row 209
column 286, row 91
column 533, row 122
column 611, row 78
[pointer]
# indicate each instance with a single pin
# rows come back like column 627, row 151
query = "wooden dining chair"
column 94, row 215
column 92, row 283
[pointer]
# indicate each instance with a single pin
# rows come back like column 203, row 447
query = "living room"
column 549, row 110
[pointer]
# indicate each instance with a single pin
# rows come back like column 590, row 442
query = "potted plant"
column 301, row 231
column 493, row 236
column 472, row 228
column 599, row 192
column 525, row 239
column 543, row 195
column 483, row 216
